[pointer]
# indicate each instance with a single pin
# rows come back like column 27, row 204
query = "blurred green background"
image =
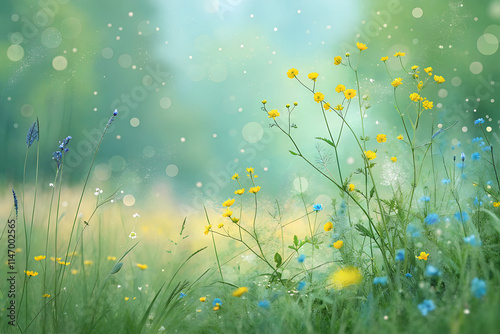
column 188, row 77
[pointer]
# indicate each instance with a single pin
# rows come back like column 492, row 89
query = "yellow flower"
column 420, row 85
column 381, row 138
column 295, row 103
column 439, row 79
column 88, row 262
column 235, row 176
column 228, row 203
column 40, row 257
column 326, row 105
column 370, row 155
column 235, row 220
column 344, row 277
column 203, row 299
column 292, row 73
column 240, row 191
column 352, row 187
column 46, row 295
column 328, row 226
column 73, row 254
column 217, row 307
column 54, row 259
column 318, row 97
column 126, row 298
column 221, row 225
column 422, row 256
column 254, row 190
column 142, row 266
column 414, row 67
column 397, row 82
column 31, row 273
column 340, row 88
column 74, row 271
column 400, row 137
column 250, row 170
column 337, row 60
column 338, row 244
column 399, row 54
column 62, row 263
column 415, row 97
column 273, row 113
column 394, row 159
column 264, row 101
column 428, row 70
column 361, row 46
column 240, row 291
column 496, row 204
column 338, row 107
column 207, row 229
column 384, row 58
column 313, row 76
column 112, row 258
column 427, row 104
column 287, row 105
column 349, row 93
column 226, row 213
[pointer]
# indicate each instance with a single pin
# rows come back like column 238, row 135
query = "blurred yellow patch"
column 344, row 277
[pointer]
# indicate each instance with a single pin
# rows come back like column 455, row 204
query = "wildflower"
column 479, row 121
column 439, row 79
column 273, row 113
column 396, row 82
column 235, row 176
column 370, row 155
column 338, row 244
column 400, row 255
column 425, row 199
column 30, row 273
column 496, row 204
column 337, row 60
column 415, row 97
column 326, row 105
column 16, row 204
column 142, row 266
column 361, row 46
column 126, row 298
column 301, row 286
column 295, row 104
column 347, row 54
column 431, row 219
column 394, row 159
column 74, row 271
column 313, row 76
column 486, row 148
column 33, row 133
column 40, row 257
column 301, row 258
column 445, row 181
column 380, row 280
column 423, row 256
column 88, row 262
column 207, row 229
column 381, row 138
column 264, row 304
column 113, row 117
column 478, row 287
column 228, row 203
column 221, row 225
column 227, row 213
column 264, row 101
column 240, row 291
column 328, row 226
column 349, row 93
column 408, row 275
column 111, row 258
column 240, row 191
column 384, row 58
column 344, row 277
column 427, row 104
column 235, row 220
column 318, row 97
column 55, row 259
column 292, row 73
column 203, row 299
column 400, row 137
column 475, row 156
column 414, row 67
column 471, row 240
column 57, row 155
column 46, row 295
column 426, row 306
column 352, row 187
column 428, row 70
column 340, row 88
column 338, row 107
column 477, row 202
column 463, row 217
column 432, row 271
column 399, row 54
column 254, row 190
column 217, row 302
column 132, row 235
column 62, row 263
column 250, row 170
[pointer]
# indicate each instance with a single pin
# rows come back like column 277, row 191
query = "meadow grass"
column 410, row 242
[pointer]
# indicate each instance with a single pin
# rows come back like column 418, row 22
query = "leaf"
column 278, row 259
column 293, row 153
column 364, row 231
column 328, row 141
column 295, row 240
column 372, row 191
column 116, row 268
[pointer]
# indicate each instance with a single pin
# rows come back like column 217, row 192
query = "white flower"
column 132, row 235
column 51, row 185
column 136, row 215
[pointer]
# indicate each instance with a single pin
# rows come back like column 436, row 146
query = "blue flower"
column 471, row 240
column 432, row 271
column 477, row 202
column 486, row 148
column 16, row 205
column 400, row 255
column 57, row 155
column 431, row 219
column 462, row 156
column 264, row 304
column 475, row 156
column 113, row 117
column 413, row 230
column 477, row 140
column 461, row 165
column 426, row 306
column 380, row 280
column 182, row 295
column 463, row 218
column 317, row 207
column 479, row 121
column 301, row 286
column 478, row 287
column 33, row 133
column 425, row 199
column 217, row 301
column 301, row 258
column 408, row 275
column 445, row 181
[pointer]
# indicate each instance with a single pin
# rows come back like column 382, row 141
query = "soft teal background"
column 188, row 76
